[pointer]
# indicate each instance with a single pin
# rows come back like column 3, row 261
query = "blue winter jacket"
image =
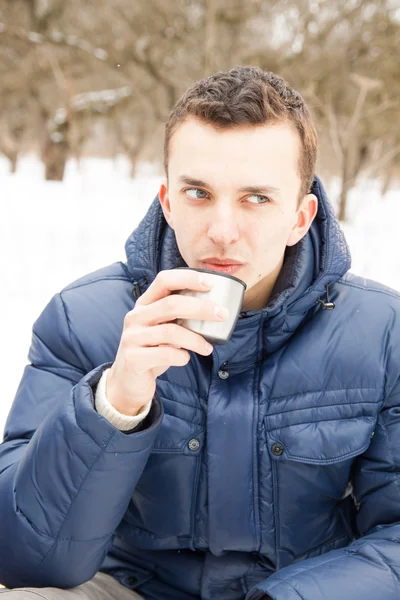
column 270, row 467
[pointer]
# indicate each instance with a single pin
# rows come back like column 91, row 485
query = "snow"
column 52, row 233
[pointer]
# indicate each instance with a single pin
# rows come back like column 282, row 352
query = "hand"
column 150, row 343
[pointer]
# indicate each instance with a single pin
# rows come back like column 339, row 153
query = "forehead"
column 249, row 152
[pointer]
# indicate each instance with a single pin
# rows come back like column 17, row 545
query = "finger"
column 145, row 359
column 174, row 335
column 171, row 281
column 179, row 307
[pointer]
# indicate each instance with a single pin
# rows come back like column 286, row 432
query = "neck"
column 257, row 297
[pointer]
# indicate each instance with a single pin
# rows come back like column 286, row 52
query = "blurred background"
column 85, row 90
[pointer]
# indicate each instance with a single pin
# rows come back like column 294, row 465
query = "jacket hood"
column 317, row 260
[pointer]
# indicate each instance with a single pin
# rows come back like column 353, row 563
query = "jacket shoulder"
column 370, row 286
column 115, row 271
column 91, row 313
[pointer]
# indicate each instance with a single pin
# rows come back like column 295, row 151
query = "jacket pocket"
column 164, row 498
column 311, row 470
column 323, row 427
column 324, row 442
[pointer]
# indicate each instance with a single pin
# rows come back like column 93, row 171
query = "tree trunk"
column 13, row 158
column 133, row 167
column 343, row 203
column 13, row 163
column 55, row 157
column 133, row 156
column 56, row 152
column 344, row 190
column 387, row 181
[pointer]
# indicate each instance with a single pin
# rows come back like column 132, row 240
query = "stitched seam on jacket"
column 305, row 571
column 59, row 539
column 199, row 425
column 368, row 289
column 332, row 460
column 104, row 445
column 156, row 536
column 83, row 284
column 78, row 490
column 397, row 577
column 275, row 508
column 255, row 463
column 325, row 544
column 396, row 481
column 194, row 500
column 89, row 366
column 284, row 412
column 178, row 403
column 80, row 372
column 291, row 396
column 279, row 580
column 183, row 387
column 309, row 421
column 295, row 590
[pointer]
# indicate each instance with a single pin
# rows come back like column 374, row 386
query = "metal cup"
column 227, row 291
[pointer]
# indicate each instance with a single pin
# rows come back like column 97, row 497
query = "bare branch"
column 334, row 130
column 387, row 158
column 366, row 84
column 373, row 112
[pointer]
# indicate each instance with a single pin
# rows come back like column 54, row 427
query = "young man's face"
column 218, row 202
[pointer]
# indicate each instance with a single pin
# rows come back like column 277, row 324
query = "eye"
column 196, row 193
column 263, row 199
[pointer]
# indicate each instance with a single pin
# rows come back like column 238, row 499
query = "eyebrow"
column 252, row 189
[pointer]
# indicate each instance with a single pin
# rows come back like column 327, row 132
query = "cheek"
column 271, row 234
column 268, row 244
column 188, row 233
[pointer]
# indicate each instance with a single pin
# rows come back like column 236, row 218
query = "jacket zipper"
column 136, row 291
column 238, row 366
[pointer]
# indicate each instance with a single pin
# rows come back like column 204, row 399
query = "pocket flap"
column 323, row 442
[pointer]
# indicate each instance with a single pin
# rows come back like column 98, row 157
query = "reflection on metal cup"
column 227, row 291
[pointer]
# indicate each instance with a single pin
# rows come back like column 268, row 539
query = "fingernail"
column 208, row 347
column 222, row 312
column 206, row 281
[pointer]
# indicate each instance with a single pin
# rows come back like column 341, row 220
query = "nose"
column 224, row 228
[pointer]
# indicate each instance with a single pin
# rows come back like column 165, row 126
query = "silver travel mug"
column 227, row 291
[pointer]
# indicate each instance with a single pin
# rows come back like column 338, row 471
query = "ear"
column 165, row 202
column 305, row 216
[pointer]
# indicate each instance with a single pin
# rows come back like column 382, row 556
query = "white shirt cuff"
column 106, row 410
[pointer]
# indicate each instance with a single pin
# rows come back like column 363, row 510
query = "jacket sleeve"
column 66, row 473
column 369, row 568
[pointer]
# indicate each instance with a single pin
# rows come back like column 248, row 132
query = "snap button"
column 223, row 374
column 277, row 449
column 194, row 445
column 131, row 580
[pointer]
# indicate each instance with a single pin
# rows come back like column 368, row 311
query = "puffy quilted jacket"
column 270, row 467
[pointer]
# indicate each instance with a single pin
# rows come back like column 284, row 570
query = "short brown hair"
column 248, row 96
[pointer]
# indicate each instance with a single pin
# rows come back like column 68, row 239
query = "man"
column 138, row 462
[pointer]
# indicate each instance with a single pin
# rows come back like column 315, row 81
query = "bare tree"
column 67, row 67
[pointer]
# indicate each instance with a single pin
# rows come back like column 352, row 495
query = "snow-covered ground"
column 53, row 233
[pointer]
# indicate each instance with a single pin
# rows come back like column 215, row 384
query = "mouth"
column 222, row 266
